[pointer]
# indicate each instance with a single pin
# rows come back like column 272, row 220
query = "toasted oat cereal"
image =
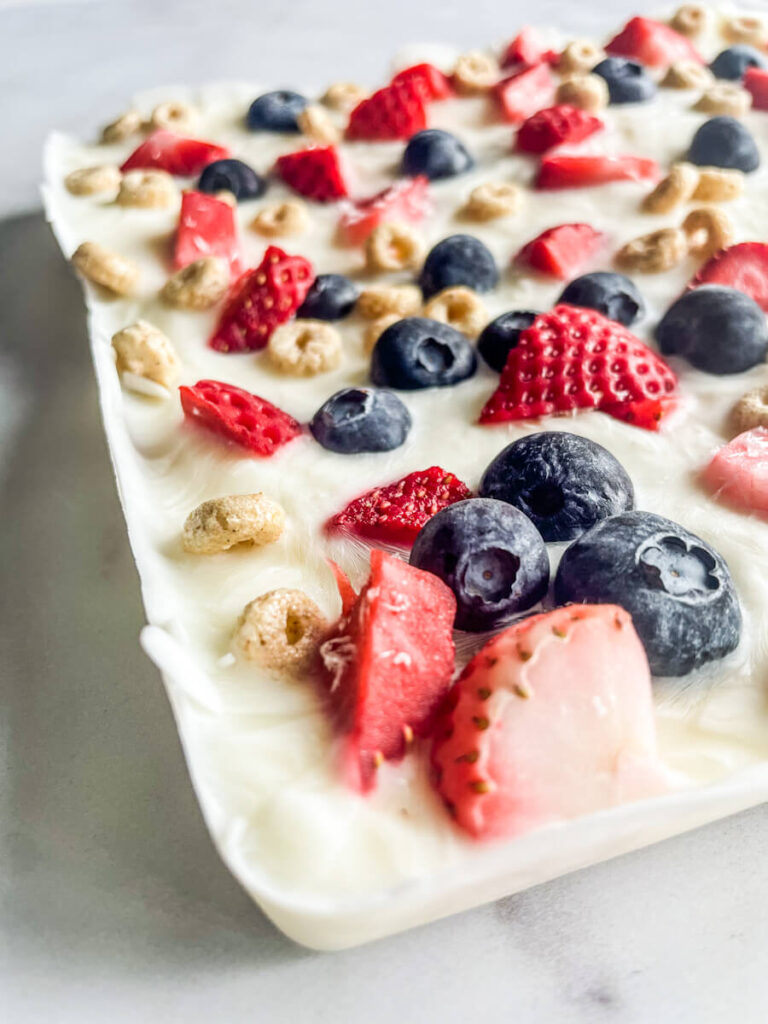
column 102, row 266
column 150, row 189
column 199, row 285
column 750, row 411
column 579, row 57
column 674, row 190
column 305, row 348
column 650, row 254
column 225, row 196
column 718, row 185
column 708, row 231
column 288, row 218
column 688, row 74
column 376, row 328
column 91, row 181
column 459, row 307
column 745, row 29
column 144, row 351
column 690, row 19
column 589, row 92
column 221, row 523
column 315, row 123
column 126, row 125
column 282, row 630
column 174, row 116
column 493, row 199
column 725, row 98
column 379, row 300
column 475, row 73
column 343, row 96
column 393, row 246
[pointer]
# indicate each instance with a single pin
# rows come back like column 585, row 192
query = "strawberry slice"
column 407, row 200
column 652, row 43
column 743, row 266
column 206, row 228
column 395, row 513
column 561, row 251
column 738, row 472
column 554, row 126
column 528, row 48
column 388, row 665
column 428, row 80
column 237, row 415
column 314, row 173
column 559, row 170
column 166, row 151
column 525, row 92
column 572, row 359
column 395, row 112
column 756, row 83
column 551, row 720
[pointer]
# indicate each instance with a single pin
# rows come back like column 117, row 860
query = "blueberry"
column 331, row 297
column 717, row 329
column 502, row 335
column 677, row 588
column 418, row 353
column 627, row 81
column 437, row 154
column 276, row 111
column 563, row 483
column 733, row 62
column 234, row 176
column 724, row 142
column 361, row 420
column 459, row 259
column 491, row 557
column 613, row 295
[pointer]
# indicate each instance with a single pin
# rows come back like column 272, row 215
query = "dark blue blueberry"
column 276, row 111
column 437, row 154
column 677, row 588
column 361, row 420
column 563, row 483
column 418, row 353
column 724, row 142
column 331, row 297
column 459, row 259
column 733, row 62
column 502, row 335
column 613, row 295
column 627, row 81
column 717, row 329
column 234, row 176
column 491, row 557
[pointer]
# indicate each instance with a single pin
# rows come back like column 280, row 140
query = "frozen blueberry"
column 563, row 483
column 733, row 62
column 459, row 259
column 331, row 297
column 233, row 176
column 724, row 142
column 361, row 420
column 627, row 81
column 491, row 557
column 437, row 154
column 419, row 353
column 613, row 295
column 717, row 329
column 677, row 588
column 502, row 335
column 276, row 111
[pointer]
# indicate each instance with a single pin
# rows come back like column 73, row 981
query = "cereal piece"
column 148, row 189
column 688, row 74
column 588, row 92
column 281, row 219
column 126, row 125
column 144, row 351
column 718, row 185
column 106, row 268
column 725, row 98
column 221, row 523
column 690, row 19
column 90, row 181
column 750, row 411
column 475, row 73
column 174, row 116
column 459, row 307
column 579, row 57
column 376, row 328
column 393, row 246
column 225, row 196
column 282, row 630
column 382, row 299
column 315, row 123
column 343, row 96
column 650, row 254
column 493, row 199
column 708, row 231
column 199, row 285
column 745, row 29
column 305, row 348
column 677, row 188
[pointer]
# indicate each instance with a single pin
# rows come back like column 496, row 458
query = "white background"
column 114, row 905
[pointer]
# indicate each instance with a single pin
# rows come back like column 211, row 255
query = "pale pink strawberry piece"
column 528, row 48
column 525, row 92
column 206, row 228
column 652, row 43
column 407, row 200
column 738, row 472
column 551, row 720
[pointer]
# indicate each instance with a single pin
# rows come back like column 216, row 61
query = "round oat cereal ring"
column 221, row 523
column 281, row 630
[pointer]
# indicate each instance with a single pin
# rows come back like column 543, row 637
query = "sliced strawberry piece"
column 166, row 151
column 756, row 84
column 572, row 359
column 395, row 513
column 528, row 48
column 206, row 228
column 407, row 200
column 743, row 266
column 314, row 173
column 560, row 170
column 554, row 126
column 249, row 421
column 429, row 80
column 262, row 299
column 395, row 112
column 525, row 92
column 738, row 472
column 551, row 720
column 347, row 592
column 389, row 665
column 561, row 251
column 652, row 43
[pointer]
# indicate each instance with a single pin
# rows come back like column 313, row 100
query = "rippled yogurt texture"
column 260, row 748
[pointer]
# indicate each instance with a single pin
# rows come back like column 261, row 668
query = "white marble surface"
column 114, row 905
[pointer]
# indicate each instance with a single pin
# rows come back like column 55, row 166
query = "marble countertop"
column 114, row 904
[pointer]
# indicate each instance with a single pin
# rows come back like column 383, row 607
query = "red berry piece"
column 237, row 415
column 407, row 200
column 743, row 266
column 756, row 84
column 525, row 92
column 206, row 228
column 737, row 472
column 652, row 43
column 528, row 48
column 262, row 299
column 561, row 251
column 429, row 80
column 395, row 112
column 314, row 173
column 555, row 125
column 166, row 151
column 559, row 170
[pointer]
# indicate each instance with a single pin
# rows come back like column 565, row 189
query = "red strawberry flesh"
column 314, row 173
column 428, row 79
column 528, row 48
column 166, row 151
column 206, row 228
column 756, row 84
column 245, row 419
column 558, row 170
column 561, row 251
column 554, row 126
column 525, row 92
column 738, row 472
column 407, row 200
column 743, row 266
column 395, row 112
column 652, row 43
